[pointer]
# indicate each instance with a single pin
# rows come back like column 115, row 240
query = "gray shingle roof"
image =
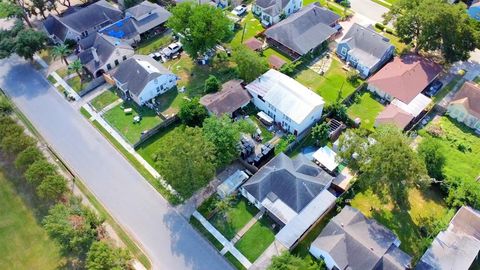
column 157, row 15
column 294, row 181
column 133, row 75
column 55, row 27
column 356, row 242
column 366, row 45
column 272, row 7
column 304, row 30
column 230, row 98
column 105, row 47
column 124, row 29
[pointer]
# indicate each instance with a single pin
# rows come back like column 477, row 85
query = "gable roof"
column 469, row 97
column 230, row 98
column 405, row 77
column 148, row 15
column 286, row 94
column 272, row 7
column 137, row 71
column 394, row 115
column 304, row 30
column 356, row 242
column 123, row 29
column 296, row 182
column 366, row 45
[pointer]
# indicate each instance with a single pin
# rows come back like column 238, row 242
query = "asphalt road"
column 369, row 9
column 168, row 239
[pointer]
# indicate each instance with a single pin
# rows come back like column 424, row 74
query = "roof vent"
column 341, row 224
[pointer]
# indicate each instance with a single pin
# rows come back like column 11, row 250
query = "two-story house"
column 271, row 11
column 465, row 105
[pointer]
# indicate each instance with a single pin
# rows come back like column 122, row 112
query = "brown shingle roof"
column 276, row 62
column 231, row 98
column 394, row 115
column 469, row 97
column 405, row 77
column 253, row 44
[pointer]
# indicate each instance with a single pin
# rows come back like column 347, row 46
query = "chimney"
column 95, row 55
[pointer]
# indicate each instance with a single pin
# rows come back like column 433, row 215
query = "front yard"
column 238, row 216
column 124, row 122
column 256, row 240
column 104, row 99
column 366, row 108
column 77, row 84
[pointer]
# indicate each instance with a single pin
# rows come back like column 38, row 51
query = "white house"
column 288, row 102
column 269, row 11
column 465, row 106
column 142, row 78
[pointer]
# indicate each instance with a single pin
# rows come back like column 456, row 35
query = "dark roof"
column 141, row 9
column 147, row 15
column 272, row 7
column 296, row 182
column 366, row 45
column 54, row 27
column 231, row 98
column 356, row 242
column 469, row 97
column 124, row 29
column 104, row 46
column 405, row 77
column 304, row 30
column 136, row 72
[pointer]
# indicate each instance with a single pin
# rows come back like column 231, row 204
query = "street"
column 167, row 238
column 369, row 10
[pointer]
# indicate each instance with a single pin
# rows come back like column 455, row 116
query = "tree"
column 201, row 26
column 52, row 187
column 5, row 106
column 432, row 25
column 462, row 192
column 77, row 67
column 320, row 133
column 431, row 152
column 222, row 206
column 339, row 110
column 16, row 143
column 61, row 51
column 212, row 84
column 13, row 10
column 27, row 157
column 385, row 163
column 102, row 256
column 250, row 64
column 287, row 261
column 186, row 159
column 38, row 171
column 28, row 42
column 192, row 113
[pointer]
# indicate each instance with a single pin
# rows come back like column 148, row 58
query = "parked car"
column 240, row 10
column 171, row 49
column 434, row 88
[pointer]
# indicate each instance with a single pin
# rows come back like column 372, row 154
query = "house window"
column 124, row 57
column 116, row 62
column 109, row 66
column 343, row 51
column 158, row 89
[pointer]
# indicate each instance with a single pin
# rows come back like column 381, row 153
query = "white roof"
column 327, row 157
column 294, row 229
column 416, row 106
column 287, row 95
column 231, row 183
column 280, row 209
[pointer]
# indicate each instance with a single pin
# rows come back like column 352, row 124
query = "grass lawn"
column 124, row 122
column 197, row 225
column 238, row 215
column 367, row 109
column 446, row 89
column 336, row 8
column 51, row 79
column 270, row 51
column 252, row 27
column 328, row 85
column 405, row 223
column 238, row 265
column 150, row 147
column 170, row 101
column 46, row 55
column 256, row 240
column 76, row 84
column 267, row 135
column 62, row 72
column 458, row 164
column 153, row 44
column 104, row 99
column 399, row 46
column 25, row 245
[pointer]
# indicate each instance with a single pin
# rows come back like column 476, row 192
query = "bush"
column 103, row 256
column 16, row 143
column 462, row 192
column 38, row 171
column 5, row 106
column 431, row 152
column 52, row 187
column 212, row 84
column 379, row 26
column 192, row 113
column 27, row 157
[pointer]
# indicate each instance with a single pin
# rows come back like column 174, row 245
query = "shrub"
column 27, row 157
column 192, row 113
column 379, row 26
column 16, row 143
column 103, row 256
column 212, row 84
column 38, row 171
column 52, row 187
column 5, row 106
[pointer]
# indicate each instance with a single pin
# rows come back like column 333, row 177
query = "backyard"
column 124, row 123
column 25, row 245
column 252, row 27
column 150, row 147
column 256, row 240
column 366, row 108
column 104, row 99
column 153, row 44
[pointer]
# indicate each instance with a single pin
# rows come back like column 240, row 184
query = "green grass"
column 252, row 28
column 85, row 113
column 256, row 240
column 24, row 243
column 154, row 44
column 382, row 3
column 270, row 51
column 458, row 164
column 266, row 135
column 76, row 84
column 336, row 8
column 367, row 109
column 238, row 216
column 199, row 227
column 399, row 46
column 104, row 99
column 328, row 85
column 51, row 79
column 446, row 89
column 405, row 223
column 238, row 265
column 123, row 123
column 62, row 72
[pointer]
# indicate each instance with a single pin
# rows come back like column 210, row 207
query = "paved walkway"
column 247, row 227
column 265, row 259
column 111, row 106
column 228, row 247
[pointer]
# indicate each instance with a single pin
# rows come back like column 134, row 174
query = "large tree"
column 385, row 162
column 102, row 256
column 192, row 113
column 432, row 25
column 287, row 261
column 250, row 64
column 20, row 40
column 200, row 26
column 61, row 51
column 432, row 153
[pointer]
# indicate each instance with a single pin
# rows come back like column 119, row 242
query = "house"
column 292, row 105
column 352, row 241
column 474, row 11
column 458, row 246
column 142, row 78
column 271, row 11
column 293, row 192
column 228, row 100
column 82, row 22
column 364, row 49
column 395, row 116
column 465, row 105
column 304, row 31
column 104, row 54
column 140, row 20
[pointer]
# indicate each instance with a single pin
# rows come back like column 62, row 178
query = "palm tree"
column 77, row 66
column 61, row 51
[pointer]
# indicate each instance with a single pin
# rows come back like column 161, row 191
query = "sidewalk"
column 228, row 247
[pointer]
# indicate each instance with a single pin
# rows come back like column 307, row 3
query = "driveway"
column 167, row 238
column 369, row 10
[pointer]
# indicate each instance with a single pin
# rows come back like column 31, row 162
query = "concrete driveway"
column 169, row 241
column 369, row 9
